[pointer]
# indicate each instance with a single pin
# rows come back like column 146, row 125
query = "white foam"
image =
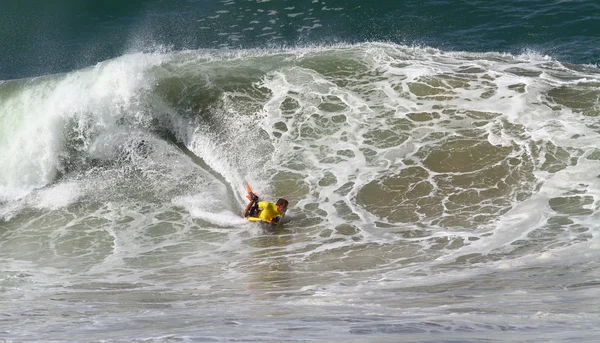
column 209, row 207
column 213, row 253
column 96, row 97
column 57, row 196
column 90, row 100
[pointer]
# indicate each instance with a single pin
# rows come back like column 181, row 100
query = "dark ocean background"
column 56, row 36
column 441, row 160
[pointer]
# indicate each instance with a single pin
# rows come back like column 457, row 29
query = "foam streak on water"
column 434, row 197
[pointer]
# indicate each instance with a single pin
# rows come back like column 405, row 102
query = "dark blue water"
column 40, row 38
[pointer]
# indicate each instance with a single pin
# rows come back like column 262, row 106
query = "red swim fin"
column 250, row 193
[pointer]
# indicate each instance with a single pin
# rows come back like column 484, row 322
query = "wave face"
column 432, row 193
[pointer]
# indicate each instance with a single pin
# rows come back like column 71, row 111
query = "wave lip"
column 44, row 120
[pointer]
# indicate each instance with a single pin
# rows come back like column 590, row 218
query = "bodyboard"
column 256, row 219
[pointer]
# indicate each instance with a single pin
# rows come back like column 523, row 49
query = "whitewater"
column 435, row 196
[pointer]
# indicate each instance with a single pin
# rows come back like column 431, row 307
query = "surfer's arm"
column 278, row 219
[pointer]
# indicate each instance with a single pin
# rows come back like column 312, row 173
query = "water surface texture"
column 441, row 159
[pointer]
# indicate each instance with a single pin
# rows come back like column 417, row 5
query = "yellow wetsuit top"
column 268, row 211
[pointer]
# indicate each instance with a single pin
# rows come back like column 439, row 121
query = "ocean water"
column 441, row 159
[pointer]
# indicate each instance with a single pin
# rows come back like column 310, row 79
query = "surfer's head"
column 282, row 205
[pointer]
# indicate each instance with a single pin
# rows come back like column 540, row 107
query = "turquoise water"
column 441, row 161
